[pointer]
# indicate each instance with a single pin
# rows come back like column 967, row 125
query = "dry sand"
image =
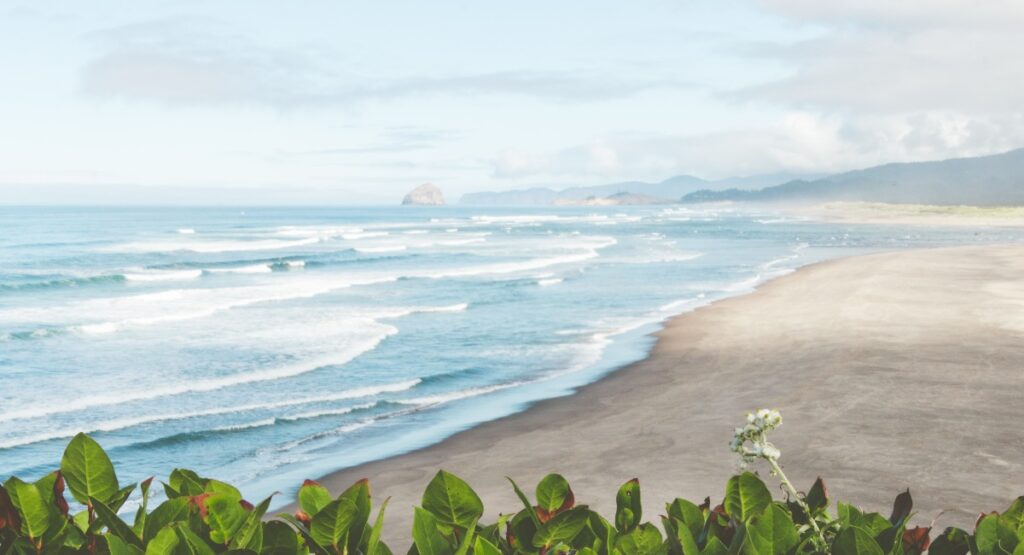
column 877, row 213
column 892, row 370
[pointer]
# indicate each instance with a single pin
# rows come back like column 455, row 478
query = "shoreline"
column 667, row 419
column 878, row 213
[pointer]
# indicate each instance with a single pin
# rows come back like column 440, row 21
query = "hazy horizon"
column 228, row 103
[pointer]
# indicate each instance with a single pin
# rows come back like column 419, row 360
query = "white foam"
column 204, row 385
column 162, row 275
column 363, row 235
column 416, row 232
column 209, row 246
column 187, row 231
column 548, row 282
column 456, row 395
column 386, row 248
column 252, row 269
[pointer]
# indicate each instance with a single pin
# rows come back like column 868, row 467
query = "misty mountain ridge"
column 981, row 181
column 670, row 189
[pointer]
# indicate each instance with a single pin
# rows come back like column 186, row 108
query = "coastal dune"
column 892, row 370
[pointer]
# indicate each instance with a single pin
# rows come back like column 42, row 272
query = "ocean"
column 263, row 346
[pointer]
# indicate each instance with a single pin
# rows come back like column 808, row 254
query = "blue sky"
column 350, row 102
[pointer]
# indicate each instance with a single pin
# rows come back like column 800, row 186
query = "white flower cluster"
column 751, row 441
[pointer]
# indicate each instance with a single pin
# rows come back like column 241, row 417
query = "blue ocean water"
column 266, row 346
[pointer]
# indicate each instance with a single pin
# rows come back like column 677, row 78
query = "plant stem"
column 796, row 495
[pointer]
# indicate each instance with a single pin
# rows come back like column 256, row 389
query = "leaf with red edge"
column 706, row 505
column 302, row 517
column 901, row 508
column 246, row 505
column 199, row 501
column 58, row 494
column 916, row 540
column 817, row 497
column 8, row 514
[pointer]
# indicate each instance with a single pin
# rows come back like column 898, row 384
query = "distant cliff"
column 424, row 195
column 981, row 181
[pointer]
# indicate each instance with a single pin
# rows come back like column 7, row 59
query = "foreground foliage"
column 202, row 516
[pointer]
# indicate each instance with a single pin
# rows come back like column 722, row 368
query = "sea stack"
column 424, row 195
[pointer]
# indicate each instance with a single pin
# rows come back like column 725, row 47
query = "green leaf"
column 164, row 543
column 279, row 539
column 168, row 512
column 250, row 535
column 484, row 547
column 139, row 525
column 563, row 527
column 359, row 494
column 331, row 524
column 715, row 547
column 216, row 486
column 628, row 509
column 88, row 471
column 185, row 482
column 193, row 544
column 745, row 496
column 643, row 540
column 854, row 541
column 467, row 540
column 554, row 494
column 117, row 546
column 425, row 535
column 452, row 501
column 313, row 497
column 993, row 536
column 687, row 513
column 684, row 539
column 224, row 516
column 114, row 523
column 526, row 503
column 373, row 544
column 31, row 505
column 771, row 533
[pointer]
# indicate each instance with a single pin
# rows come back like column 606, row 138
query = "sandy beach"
column 878, row 213
column 893, row 370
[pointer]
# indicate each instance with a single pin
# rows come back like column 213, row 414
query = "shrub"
column 202, row 516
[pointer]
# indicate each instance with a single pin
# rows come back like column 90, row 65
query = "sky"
column 212, row 101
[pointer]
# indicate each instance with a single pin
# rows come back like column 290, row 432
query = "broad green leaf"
column 484, row 547
column 31, row 505
column 117, row 546
column 771, row 533
column 994, row 537
column 193, row 544
column 685, row 540
column 373, row 544
column 186, row 482
column 554, row 494
column 425, row 535
column 313, row 497
column 330, row 526
column 628, row 510
column 359, row 494
column 250, row 535
column 224, row 516
column 643, row 540
column 467, row 540
column 168, row 512
column 687, row 513
column 854, row 541
column 216, row 486
column 745, row 496
column 164, row 543
column 88, row 471
column 452, row 501
column 279, row 539
column 114, row 523
column 563, row 527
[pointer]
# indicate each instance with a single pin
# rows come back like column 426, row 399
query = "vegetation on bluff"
column 203, row 516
